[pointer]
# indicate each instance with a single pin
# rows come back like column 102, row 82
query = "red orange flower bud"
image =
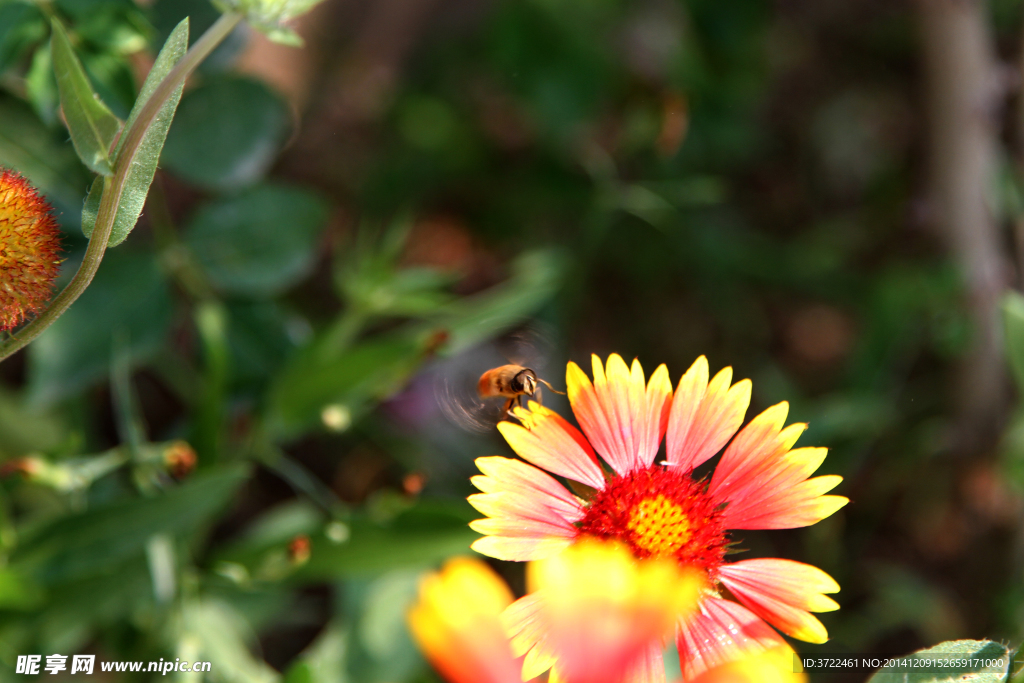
column 180, row 459
column 29, row 249
column 299, row 550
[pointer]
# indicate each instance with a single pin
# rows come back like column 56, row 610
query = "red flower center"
column 660, row 512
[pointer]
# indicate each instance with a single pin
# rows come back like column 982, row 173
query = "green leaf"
column 92, row 126
column 222, row 636
column 418, row 537
column 227, row 133
column 259, row 340
column 260, row 242
column 324, row 660
column 143, row 167
column 392, row 534
column 72, row 607
column 990, row 664
column 46, row 159
column 380, row 648
column 1013, row 324
column 79, row 545
column 128, row 297
column 349, row 380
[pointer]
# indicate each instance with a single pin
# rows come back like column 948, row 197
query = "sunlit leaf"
column 143, row 167
column 91, row 124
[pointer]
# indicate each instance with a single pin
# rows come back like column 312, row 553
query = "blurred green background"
column 340, row 234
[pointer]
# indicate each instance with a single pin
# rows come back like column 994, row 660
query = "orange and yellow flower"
column 29, row 248
column 661, row 509
column 600, row 609
column 456, row 623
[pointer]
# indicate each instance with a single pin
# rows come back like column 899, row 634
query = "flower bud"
column 180, row 459
column 270, row 16
column 29, row 248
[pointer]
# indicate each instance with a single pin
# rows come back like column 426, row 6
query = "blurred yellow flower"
column 771, row 666
column 456, row 623
column 602, row 609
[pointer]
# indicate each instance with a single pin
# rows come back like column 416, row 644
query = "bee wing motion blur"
column 470, row 401
column 460, row 403
column 479, row 413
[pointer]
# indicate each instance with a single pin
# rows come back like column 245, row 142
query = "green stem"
column 113, row 187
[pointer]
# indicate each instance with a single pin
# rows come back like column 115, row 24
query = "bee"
column 513, row 382
column 467, row 399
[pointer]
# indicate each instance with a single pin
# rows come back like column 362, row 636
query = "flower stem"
column 113, row 187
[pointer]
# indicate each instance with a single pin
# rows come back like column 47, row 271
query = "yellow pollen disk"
column 659, row 526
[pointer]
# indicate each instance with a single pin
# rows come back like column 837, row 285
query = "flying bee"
column 467, row 399
column 513, row 382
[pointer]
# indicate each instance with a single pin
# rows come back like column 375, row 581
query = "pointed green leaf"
column 92, row 126
column 140, row 175
column 979, row 661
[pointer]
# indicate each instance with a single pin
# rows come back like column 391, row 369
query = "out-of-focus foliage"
column 334, row 232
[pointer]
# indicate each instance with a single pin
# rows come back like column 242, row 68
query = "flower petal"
column 456, row 622
column 783, row 593
column 723, row 632
column 650, row 668
column 548, row 441
column 528, row 635
column 512, row 549
column 533, row 486
column 622, row 418
column 704, row 416
column 765, row 483
column 529, row 514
